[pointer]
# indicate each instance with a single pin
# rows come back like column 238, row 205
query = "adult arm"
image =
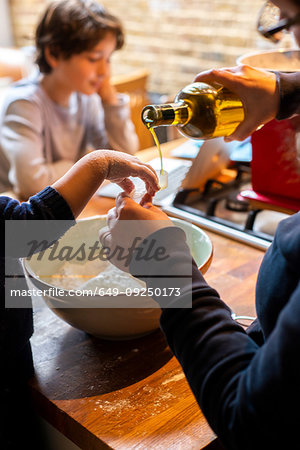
column 289, row 89
column 246, row 392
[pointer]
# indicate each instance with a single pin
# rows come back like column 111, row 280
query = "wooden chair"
column 135, row 85
column 12, row 63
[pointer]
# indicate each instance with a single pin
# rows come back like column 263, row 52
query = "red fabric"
column 277, row 201
column 275, row 159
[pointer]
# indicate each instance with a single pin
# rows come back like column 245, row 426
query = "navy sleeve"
column 48, row 207
column 48, row 204
column 245, row 391
column 289, row 89
column 16, row 324
column 279, row 273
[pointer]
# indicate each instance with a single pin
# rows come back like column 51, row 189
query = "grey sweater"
column 40, row 140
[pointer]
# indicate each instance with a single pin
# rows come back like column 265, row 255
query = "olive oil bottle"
column 200, row 111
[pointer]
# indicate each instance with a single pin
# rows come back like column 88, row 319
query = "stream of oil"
column 158, row 147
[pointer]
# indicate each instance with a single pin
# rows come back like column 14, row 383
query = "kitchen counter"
column 131, row 394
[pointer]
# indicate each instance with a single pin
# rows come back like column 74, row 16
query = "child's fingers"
column 146, row 200
column 126, row 184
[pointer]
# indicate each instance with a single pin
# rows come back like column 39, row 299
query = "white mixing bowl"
column 105, row 316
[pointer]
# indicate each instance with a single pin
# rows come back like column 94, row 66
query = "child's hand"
column 119, row 233
column 120, row 166
column 81, row 182
column 108, row 92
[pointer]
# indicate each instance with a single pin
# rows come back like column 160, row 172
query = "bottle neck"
column 170, row 114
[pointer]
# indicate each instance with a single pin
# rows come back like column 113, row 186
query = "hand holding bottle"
column 257, row 89
column 199, row 111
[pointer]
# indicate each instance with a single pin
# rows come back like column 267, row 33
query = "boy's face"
column 84, row 72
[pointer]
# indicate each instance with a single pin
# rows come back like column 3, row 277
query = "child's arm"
column 25, row 144
column 79, row 184
column 66, row 198
column 108, row 92
column 120, row 130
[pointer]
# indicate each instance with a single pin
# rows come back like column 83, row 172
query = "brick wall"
column 174, row 39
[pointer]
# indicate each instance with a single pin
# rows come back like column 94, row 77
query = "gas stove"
column 217, row 208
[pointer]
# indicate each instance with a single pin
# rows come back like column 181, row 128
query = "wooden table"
column 131, row 394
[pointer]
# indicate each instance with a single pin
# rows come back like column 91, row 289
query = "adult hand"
column 119, row 234
column 257, row 89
